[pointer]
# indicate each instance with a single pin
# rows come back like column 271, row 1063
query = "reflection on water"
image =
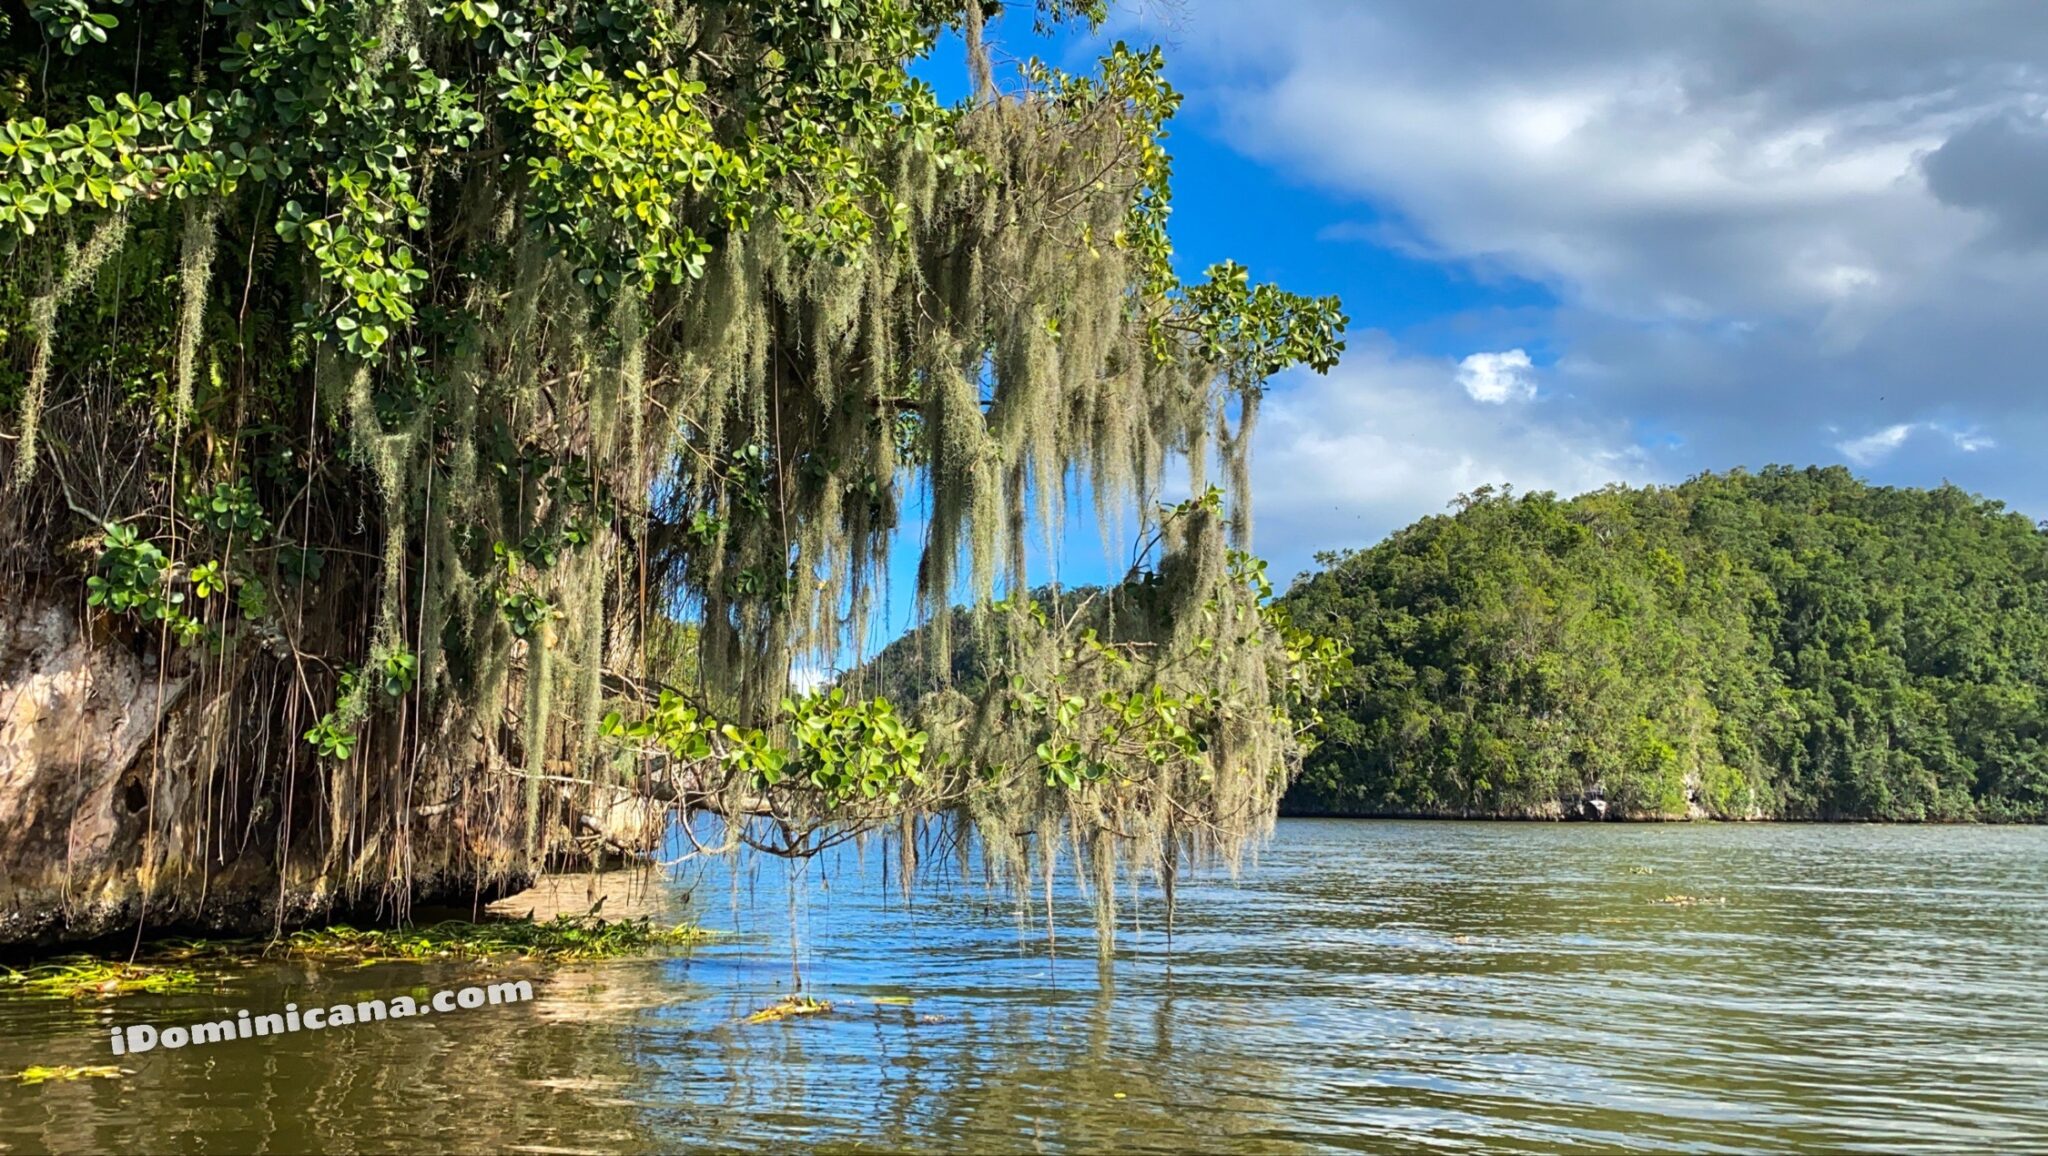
column 1369, row 986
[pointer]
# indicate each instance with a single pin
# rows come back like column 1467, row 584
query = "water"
column 1366, row 986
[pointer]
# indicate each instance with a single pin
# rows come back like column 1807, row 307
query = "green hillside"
column 1789, row 644
column 904, row 671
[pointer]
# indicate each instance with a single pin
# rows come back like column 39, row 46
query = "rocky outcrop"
column 75, row 719
column 139, row 794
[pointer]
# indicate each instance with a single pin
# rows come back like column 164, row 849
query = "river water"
column 1364, row 986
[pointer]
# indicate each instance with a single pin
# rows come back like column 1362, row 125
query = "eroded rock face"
column 75, row 721
column 99, row 744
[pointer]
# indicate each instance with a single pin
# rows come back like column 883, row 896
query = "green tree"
column 1792, row 644
column 468, row 343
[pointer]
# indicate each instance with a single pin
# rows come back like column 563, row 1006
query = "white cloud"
column 1752, row 216
column 1498, row 378
column 1872, row 448
column 1620, row 188
column 1339, row 461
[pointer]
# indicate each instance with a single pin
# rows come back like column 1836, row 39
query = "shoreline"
column 1647, row 820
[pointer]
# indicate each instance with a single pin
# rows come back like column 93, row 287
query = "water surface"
column 1365, row 986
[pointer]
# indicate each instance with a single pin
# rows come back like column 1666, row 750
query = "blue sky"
column 1591, row 242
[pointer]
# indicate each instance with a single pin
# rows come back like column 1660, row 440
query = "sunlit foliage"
column 1790, row 644
column 404, row 371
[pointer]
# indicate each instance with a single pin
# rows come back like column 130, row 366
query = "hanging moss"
column 195, row 278
column 607, row 352
column 80, row 265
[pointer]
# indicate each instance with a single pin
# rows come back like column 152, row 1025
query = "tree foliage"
column 403, row 366
column 1791, row 644
column 1187, row 668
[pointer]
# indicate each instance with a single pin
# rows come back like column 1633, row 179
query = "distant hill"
column 904, row 670
column 1787, row 644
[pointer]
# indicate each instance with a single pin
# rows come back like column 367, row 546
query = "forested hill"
column 1789, row 644
column 902, row 671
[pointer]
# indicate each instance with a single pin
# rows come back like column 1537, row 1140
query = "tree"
column 1787, row 644
column 403, row 367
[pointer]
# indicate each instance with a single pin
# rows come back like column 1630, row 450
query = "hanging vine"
column 468, row 347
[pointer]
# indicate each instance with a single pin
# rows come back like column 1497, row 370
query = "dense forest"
column 1788, row 644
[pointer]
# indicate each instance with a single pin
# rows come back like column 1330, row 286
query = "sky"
column 1591, row 242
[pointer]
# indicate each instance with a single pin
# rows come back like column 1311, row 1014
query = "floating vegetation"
column 186, row 964
column 1689, row 901
column 789, row 1007
column 81, row 977
column 1641, row 871
column 207, row 951
column 38, row 1074
column 562, row 939
column 893, row 1000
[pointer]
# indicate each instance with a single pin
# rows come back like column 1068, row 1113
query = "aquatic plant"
column 788, row 1007
column 82, row 977
column 562, row 939
column 182, row 964
column 64, row 1073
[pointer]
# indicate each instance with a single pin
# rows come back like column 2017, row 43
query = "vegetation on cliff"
column 1792, row 644
column 384, row 376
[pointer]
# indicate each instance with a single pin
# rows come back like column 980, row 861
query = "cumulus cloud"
column 1753, row 216
column 1653, row 161
column 1498, row 378
column 1999, row 167
column 1339, row 461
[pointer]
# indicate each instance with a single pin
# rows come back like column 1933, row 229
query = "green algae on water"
column 82, row 977
column 64, row 1073
column 565, row 938
column 186, row 964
